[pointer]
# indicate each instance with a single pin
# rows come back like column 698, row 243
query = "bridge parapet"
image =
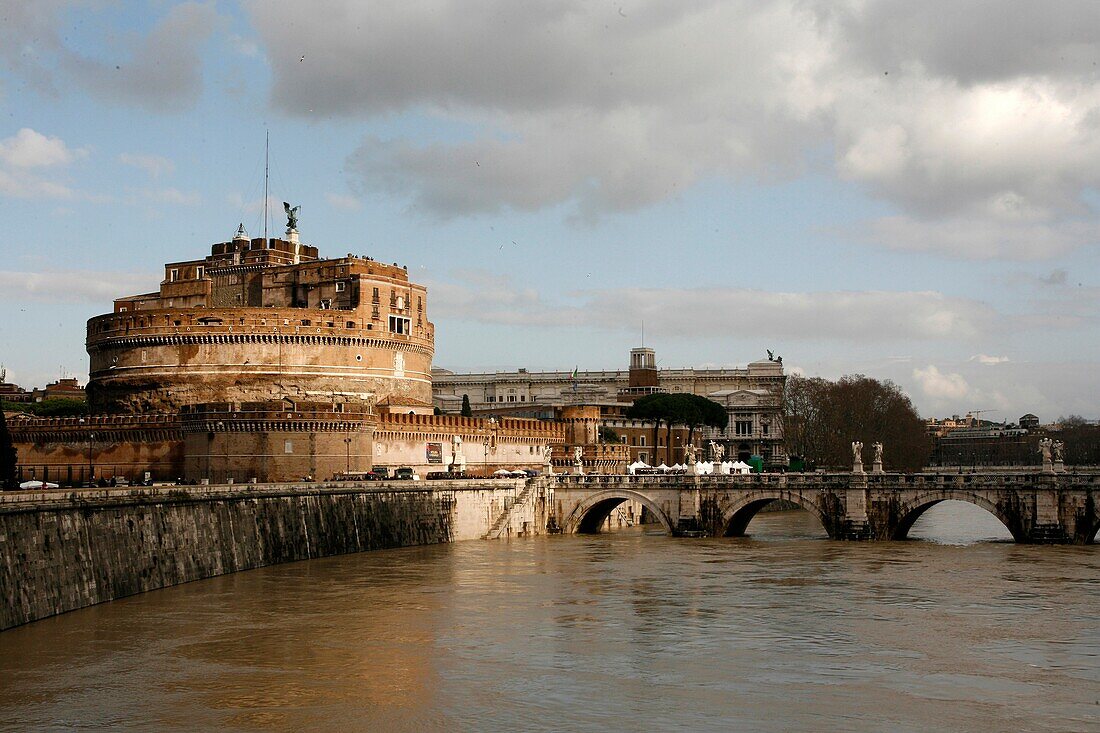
column 1035, row 506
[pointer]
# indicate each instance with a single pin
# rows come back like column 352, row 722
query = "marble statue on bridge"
column 717, row 450
column 857, row 456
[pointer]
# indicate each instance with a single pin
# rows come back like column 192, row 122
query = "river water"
column 782, row 631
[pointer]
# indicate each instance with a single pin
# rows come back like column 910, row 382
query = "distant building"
column 937, row 427
column 1029, row 422
column 65, row 388
column 993, row 445
column 752, row 396
column 12, row 392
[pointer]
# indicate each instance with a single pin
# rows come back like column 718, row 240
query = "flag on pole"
column 573, row 376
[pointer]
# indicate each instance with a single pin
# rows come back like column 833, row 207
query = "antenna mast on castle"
column 267, row 149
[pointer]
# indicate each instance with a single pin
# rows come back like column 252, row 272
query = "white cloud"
column 28, row 162
column 160, row 71
column 31, row 149
column 172, row 196
column 674, row 312
column 982, row 138
column 989, row 360
column 74, row 286
column 154, row 165
column 940, row 386
column 31, row 187
column 343, row 202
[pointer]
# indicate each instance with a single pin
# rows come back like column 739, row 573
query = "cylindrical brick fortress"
column 308, row 330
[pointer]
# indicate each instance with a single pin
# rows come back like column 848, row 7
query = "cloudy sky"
column 906, row 190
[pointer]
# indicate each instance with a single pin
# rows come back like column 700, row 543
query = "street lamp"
column 225, row 445
column 91, row 469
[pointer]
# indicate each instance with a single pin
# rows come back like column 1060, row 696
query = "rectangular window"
column 764, row 428
column 490, row 398
column 173, row 275
column 643, row 457
column 742, row 427
column 511, row 398
column 340, row 285
column 399, row 325
column 374, row 298
column 288, row 446
column 641, row 440
column 199, row 272
column 523, row 398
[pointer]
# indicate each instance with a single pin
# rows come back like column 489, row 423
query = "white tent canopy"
column 740, row 467
column 704, row 468
column 37, row 485
column 636, row 465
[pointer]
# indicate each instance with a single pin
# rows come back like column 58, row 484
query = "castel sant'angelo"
column 264, row 361
column 260, row 320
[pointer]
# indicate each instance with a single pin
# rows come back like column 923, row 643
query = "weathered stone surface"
column 1035, row 507
column 61, row 551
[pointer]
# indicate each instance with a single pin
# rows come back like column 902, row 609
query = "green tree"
column 467, row 411
column 607, row 435
column 652, row 407
column 698, row 411
column 61, row 407
column 7, row 456
column 677, row 409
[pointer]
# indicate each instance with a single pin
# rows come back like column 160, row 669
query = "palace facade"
column 752, row 396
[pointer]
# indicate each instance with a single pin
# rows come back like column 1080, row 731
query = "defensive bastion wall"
column 64, row 550
column 158, row 360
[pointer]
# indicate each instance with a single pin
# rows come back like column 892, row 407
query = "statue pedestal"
column 857, row 467
column 876, row 467
column 292, row 236
column 578, row 467
column 1048, row 467
column 1059, row 466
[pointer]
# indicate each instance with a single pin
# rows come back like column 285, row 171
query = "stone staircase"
column 624, row 518
column 504, row 520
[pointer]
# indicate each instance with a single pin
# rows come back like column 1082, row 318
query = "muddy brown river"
column 957, row 630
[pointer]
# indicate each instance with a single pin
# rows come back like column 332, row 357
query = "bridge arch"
column 912, row 510
column 736, row 516
column 588, row 515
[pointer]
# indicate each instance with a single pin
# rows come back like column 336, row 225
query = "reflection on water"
column 779, row 631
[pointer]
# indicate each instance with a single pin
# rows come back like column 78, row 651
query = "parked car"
column 406, row 474
column 445, row 475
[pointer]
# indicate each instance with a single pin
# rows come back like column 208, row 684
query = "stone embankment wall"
column 64, row 550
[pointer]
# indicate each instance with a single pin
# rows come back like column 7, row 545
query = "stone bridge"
column 1035, row 506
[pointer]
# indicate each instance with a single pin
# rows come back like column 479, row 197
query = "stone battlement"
column 317, row 327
